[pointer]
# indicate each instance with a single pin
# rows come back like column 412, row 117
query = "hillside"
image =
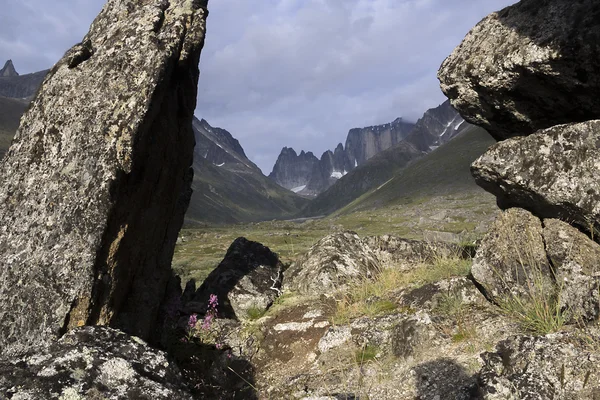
column 10, row 115
column 444, row 170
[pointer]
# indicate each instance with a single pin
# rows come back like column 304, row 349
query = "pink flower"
column 192, row 321
column 207, row 321
column 213, row 301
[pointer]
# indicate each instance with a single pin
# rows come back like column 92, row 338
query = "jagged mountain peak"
column 9, row 70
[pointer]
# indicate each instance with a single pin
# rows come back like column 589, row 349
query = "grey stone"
column 247, row 280
column 331, row 264
column 531, row 66
column 511, row 260
column 95, row 186
column 561, row 366
column 552, row 173
column 93, row 363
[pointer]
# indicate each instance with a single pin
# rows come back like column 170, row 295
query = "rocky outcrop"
column 93, row 363
column 437, row 126
column 553, row 173
column 559, row 366
column 331, row 264
column 247, row 281
column 8, row 70
column 292, row 171
column 511, row 259
column 95, row 186
column 530, row 66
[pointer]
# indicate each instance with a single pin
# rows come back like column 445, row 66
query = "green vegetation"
column 366, row 354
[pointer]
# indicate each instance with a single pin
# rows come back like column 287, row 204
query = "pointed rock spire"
column 9, row 69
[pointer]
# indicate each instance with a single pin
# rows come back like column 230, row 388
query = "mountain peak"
column 9, row 69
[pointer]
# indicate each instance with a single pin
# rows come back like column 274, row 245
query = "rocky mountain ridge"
column 436, row 127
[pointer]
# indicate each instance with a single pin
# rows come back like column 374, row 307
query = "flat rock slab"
column 531, row 66
column 95, row 186
column 93, row 363
column 552, row 173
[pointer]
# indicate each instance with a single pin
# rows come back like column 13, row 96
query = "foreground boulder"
column 95, row 186
column 511, row 259
column 93, row 363
column 246, row 282
column 528, row 67
column 553, row 173
column 331, row 264
column 558, row 366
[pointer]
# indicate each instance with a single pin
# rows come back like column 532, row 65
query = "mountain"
column 10, row 115
column 228, row 187
column 437, row 126
column 292, row 171
column 445, row 170
column 19, row 86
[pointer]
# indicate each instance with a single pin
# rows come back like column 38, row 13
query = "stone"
column 247, row 281
column 552, row 173
column 95, row 186
column 557, row 366
column 93, row 363
column 530, row 66
column 511, row 259
column 574, row 257
column 331, row 264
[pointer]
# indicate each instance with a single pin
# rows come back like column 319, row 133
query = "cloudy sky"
column 296, row 73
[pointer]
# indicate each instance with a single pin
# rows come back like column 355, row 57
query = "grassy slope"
column 376, row 171
column 222, row 197
column 443, row 171
column 10, row 115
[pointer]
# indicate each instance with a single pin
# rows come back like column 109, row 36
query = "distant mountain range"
column 308, row 176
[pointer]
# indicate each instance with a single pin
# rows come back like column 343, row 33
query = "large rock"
column 530, row 66
column 247, row 281
column 95, row 186
column 331, row 264
column 93, row 363
column 553, row 173
column 511, row 260
column 574, row 257
column 560, row 366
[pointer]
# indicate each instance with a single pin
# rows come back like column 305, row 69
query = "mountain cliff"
column 292, row 171
column 8, row 70
column 19, row 86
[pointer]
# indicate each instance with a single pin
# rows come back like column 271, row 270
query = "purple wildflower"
column 207, row 321
column 192, row 321
column 213, row 302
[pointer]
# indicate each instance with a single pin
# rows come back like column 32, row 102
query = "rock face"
column 95, row 186
column 292, row 171
column 8, row 70
column 511, row 259
column 553, row 173
column 437, row 126
column 247, row 280
column 559, row 366
column 93, row 363
column 530, row 66
column 331, row 264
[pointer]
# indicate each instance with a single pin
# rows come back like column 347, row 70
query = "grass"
column 255, row 313
column 366, row 354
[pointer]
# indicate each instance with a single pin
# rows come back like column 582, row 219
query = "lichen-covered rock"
column 552, row 173
column 561, row 366
column 95, row 186
column 511, row 259
column 331, row 264
column 530, row 66
column 247, row 281
column 575, row 259
column 93, row 363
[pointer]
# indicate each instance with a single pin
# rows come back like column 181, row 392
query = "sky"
column 295, row 73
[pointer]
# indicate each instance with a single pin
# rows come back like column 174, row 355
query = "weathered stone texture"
column 511, row 259
column 94, row 188
column 530, row 66
column 553, row 173
column 93, row 363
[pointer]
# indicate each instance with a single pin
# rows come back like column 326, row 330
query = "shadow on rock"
column 444, row 379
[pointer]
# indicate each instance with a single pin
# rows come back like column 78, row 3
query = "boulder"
column 95, row 186
column 531, row 66
column 93, row 363
column 557, row 366
column 511, row 260
column 247, row 281
column 574, row 257
column 331, row 264
column 552, row 173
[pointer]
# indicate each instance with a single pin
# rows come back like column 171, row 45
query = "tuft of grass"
column 255, row 313
column 536, row 312
column 367, row 353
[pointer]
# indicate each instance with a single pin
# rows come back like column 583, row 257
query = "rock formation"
column 93, row 363
column 19, row 86
column 292, row 171
column 8, row 70
column 530, row 66
column 95, row 186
